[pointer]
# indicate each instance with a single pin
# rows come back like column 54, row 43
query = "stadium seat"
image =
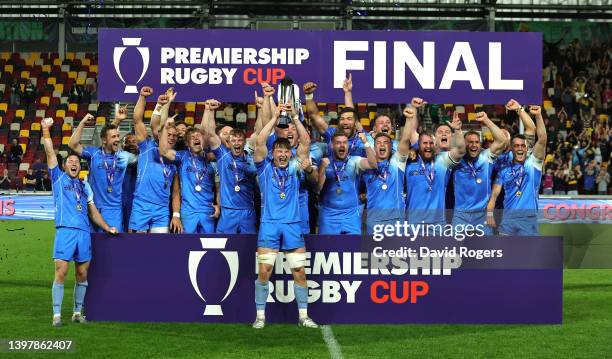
column 20, row 113
column 93, row 107
column 66, row 127
column 25, row 74
column 70, row 55
column 24, row 147
column 190, row 106
column 35, row 127
column 547, row 104
column 51, row 81
column 460, row 109
column 65, row 140
column 148, row 114
column 189, row 121
column 60, row 113
column 24, row 166
column 69, row 121
column 57, row 62
column 471, row 116
column 8, row 68
column 101, row 120
column 58, row 88
column 93, row 68
column 3, row 106
column 15, row 126
column 365, row 121
column 24, row 133
column 83, row 175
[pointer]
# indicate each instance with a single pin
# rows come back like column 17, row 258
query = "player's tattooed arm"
column 491, row 205
column 347, row 87
column 75, row 140
column 539, row 149
column 457, row 150
column 139, row 128
column 176, row 226
column 261, row 150
column 499, row 139
column 164, row 147
column 311, row 108
column 97, row 219
column 48, row 143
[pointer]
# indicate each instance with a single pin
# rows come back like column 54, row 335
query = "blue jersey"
column 426, row 188
column 472, row 180
column 343, row 195
column 385, row 185
column 196, row 173
column 279, row 191
column 155, row 174
column 128, row 186
column 235, row 171
column 71, row 196
column 106, row 171
column 503, row 160
column 356, row 147
column 521, row 183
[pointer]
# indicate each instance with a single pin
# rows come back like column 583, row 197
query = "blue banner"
column 20, row 206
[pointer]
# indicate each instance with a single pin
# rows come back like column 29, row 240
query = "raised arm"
column 120, row 115
column 539, row 149
column 457, row 150
column 261, row 150
column 417, row 103
column 259, row 109
column 209, row 124
column 176, row 226
column 48, row 143
column 368, row 163
column 499, row 139
column 139, row 128
column 321, row 175
column 347, row 87
column 528, row 125
column 75, row 139
column 403, row 147
column 311, row 108
column 160, row 115
column 303, row 150
column 165, row 149
column 267, row 110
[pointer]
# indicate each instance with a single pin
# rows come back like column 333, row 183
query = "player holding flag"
column 74, row 207
column 280, row 218
column 107, row 166
column 521, row 183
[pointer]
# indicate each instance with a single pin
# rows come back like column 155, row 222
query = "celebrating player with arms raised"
column 339, row 186
column 521, row 183
column 426, row 178
column 280, row 218
column 472, row 176
column 385, row 184
column 197, row 179
column 107, row 166
column 74, row 207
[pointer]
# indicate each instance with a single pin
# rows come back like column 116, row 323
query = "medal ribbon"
column 429, row 173
column 235, row 167
column 77, row 187
column 199, row 175
column 383, row 171
column 165, row 169
column 110, row 172
column 340, row 172
column 518, row 176
column 280, row 179
column 472, row 168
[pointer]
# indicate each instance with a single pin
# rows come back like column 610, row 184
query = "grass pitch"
column 26, row 274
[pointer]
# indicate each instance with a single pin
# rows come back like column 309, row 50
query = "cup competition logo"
column 144, row 54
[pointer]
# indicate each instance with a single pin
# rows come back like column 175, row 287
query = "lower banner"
column 210, row 278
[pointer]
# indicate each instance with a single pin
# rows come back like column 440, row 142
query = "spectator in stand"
column 29, row 92
column 44, row 184
column 39, row 169
column 16, row 152
column 590, row 173
column 15, row 93
column 5, row 181
column 241, row 119
column 548, row 182
column 603, row 180
column 571, row 180
column 559, row 181
column 29, row 181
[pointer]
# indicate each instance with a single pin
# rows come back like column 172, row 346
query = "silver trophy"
column 288, row 92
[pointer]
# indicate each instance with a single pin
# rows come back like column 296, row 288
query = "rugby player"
column 74, row 208
column 280, row 220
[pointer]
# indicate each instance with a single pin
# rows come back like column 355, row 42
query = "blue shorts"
column 198, row 222
column 147, row 215
column 305, row 219
column 347, row 223
column 271, row 234
column 476, row 218
column 234, row 221
column 72, row 244
column 519, row 226
column 113, row 217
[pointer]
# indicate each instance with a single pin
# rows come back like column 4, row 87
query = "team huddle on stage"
column 209, row 179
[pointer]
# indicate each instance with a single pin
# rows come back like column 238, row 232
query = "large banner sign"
column 386, row 66
column 191, row 278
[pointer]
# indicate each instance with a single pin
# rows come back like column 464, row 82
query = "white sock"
column 303, row 313
column 261, row 314
column 57, row 315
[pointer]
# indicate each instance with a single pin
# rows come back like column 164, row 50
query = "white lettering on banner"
column 328, row 291
column 233, row 56
column 423, row 71
column 198, row 76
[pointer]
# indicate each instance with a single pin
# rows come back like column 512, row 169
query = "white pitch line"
column 332, row 344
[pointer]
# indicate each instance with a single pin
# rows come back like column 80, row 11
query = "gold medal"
column 518, row 193
column 165, row 184
column 236, row 188
column 283, row 195
column 384, row 187
column 79, row 207
column 478, row 180
column 109, row 189
column 339, row 190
